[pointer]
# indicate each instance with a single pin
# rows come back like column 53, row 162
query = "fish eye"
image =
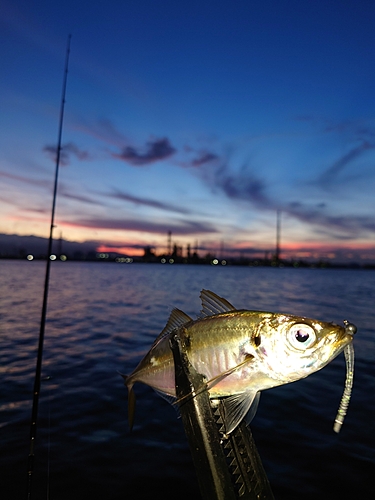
column 301, row 336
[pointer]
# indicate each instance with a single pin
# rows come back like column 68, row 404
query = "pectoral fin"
column 239, row 407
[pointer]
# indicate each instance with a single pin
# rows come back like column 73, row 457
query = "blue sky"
column 199, row 118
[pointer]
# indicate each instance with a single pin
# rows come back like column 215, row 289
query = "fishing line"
column 38, row 369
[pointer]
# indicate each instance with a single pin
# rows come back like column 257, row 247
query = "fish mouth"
column 345, row 337
column 349, row 332
column 350, row 328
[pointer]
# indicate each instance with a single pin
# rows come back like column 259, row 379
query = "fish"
column 242, row 352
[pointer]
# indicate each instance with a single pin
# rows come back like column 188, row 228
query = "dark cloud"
column 242, row 185
column 204, row 158
column 330, row 175
column 109, row 132
column 354, row 130
column 340, row 227
column 338, row 127
column 103, row 130
column 360, row 130
column 246, row 186
column 120, row 195
column 63, row 190
column 66, row 151
column 27, row 180
column 65, row 193
column 177, row 228
column 157, row 150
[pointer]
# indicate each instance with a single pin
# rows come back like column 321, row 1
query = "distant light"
column 223, row 262
column 52, row 257
column 63, row 257
column 171, row 261
column 215, row 262
column 127, row 260
column 30, row 257
column 163, row 261
column 103, row 256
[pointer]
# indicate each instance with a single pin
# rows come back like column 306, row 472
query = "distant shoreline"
column 207, row 261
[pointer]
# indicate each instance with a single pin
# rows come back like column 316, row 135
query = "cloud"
column 65, row 193
column 362, row 129
column 252, row 188
column 109, row 132
column 27, row 180
column 63, row 190
column 103, row 130
column 179, row 228
column 120, row 195
column 66, row 151
column 329, row 176
column 156, row 150
column 242, row 185
column 204, row 158
column 339, row 227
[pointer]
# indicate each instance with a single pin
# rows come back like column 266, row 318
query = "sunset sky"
column 202, row 118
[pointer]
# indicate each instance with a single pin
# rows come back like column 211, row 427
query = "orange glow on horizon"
column 129, row 251
column 325, row 247
column 133, row 245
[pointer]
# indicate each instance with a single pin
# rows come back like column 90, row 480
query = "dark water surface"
column 103, row 317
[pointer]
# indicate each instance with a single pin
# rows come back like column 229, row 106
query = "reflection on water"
column 101, row 320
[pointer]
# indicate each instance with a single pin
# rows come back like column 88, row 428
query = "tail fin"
column 131, row 401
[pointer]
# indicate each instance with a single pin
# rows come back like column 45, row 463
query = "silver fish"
column 241, row 353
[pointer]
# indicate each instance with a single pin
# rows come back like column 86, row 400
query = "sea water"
column 101, row 320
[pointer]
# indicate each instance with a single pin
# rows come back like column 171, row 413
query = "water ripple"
column 102, row 318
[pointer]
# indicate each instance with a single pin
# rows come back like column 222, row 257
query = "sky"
column 199, row 118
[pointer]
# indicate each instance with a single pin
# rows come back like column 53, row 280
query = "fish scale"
column 241, row 353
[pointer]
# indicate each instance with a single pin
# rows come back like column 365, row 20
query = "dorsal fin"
column 213, row 304
column 176, row 319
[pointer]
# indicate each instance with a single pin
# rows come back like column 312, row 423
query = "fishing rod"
column 38, row 370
